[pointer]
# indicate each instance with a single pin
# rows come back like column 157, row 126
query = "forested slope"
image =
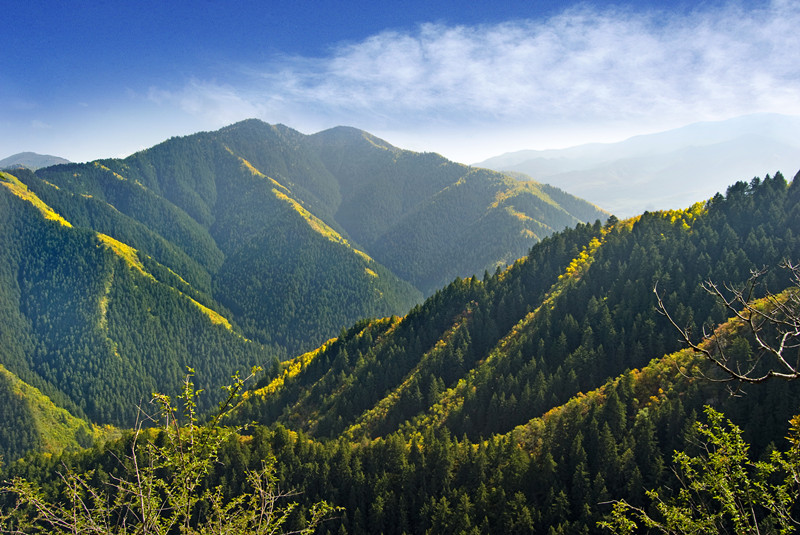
column 522, row 401
column 531, row 369
column 228, row 249
column 287, row 277
column 278, row 227
column 427, row 218
column 482, row 356
column 94, row 324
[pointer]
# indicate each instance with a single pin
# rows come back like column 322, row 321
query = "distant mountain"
column 31, row 160
column 223, row 250
column 665, row 170
column 429, row 219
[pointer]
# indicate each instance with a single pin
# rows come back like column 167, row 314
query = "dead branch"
column 773, row 321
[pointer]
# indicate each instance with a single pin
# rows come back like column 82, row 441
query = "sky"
column 469, row 80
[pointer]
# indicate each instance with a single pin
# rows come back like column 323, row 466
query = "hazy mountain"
column 223, row 250
column 668, row 169
column 578, row 308
column 31, row 160
column 429, row 219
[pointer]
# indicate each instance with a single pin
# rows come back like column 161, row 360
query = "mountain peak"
column 31, row 160
column 348, row 135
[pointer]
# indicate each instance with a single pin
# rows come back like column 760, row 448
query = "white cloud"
column 219, row 103
column 583, row 62
column 585, row 66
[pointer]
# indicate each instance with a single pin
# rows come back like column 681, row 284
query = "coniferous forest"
column 530, row 398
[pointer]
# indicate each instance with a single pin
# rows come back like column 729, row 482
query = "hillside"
column 424, row 217
column 524, row 401
column 228, row 249
column 482, row 356
column 97, row 326
column 533, row 368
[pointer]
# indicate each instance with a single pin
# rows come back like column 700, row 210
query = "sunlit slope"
column 255, row 244
column 294, row 213
column 429, row 219
column 483, row 356
column 97, row 325
column 32, row 422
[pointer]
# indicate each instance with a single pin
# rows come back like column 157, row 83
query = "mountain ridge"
column 524, row 401
column 578, row 306
column 222, row 250
column 656, row 171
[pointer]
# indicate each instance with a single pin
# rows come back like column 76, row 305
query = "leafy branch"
column 721, row 490
column 161, row 489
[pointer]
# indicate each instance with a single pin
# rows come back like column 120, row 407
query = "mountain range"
column 223, row 250
column 517, row 398
column 527, row 401
column 483, row 356
column 523, row 401
column 665, row 170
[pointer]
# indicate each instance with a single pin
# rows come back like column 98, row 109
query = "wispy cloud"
column 584, row 65
column 219, row 102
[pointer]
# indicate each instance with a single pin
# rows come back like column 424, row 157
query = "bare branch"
column 773, row 322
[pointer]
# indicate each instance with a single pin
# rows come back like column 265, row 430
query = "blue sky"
column 469, row 80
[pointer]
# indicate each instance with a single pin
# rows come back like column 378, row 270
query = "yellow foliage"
column 56, row 426
column 582, row 261
column 319, row 225
column 362, row 254
column 255, row 172
column 685, row 217
column 126, row 252
column 313, row 221
column 21, row 190
column 104, row 168
column 131, row 257
column 291, row 368
column 215, row 317
column 517, row 189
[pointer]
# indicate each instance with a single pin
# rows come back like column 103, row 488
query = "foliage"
column 721, row 489
column 161, row 488
column 512, row 403
column 32, row 422
column 251, row 233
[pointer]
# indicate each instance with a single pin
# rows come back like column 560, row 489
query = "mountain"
column 95, row 325
column 520, row 400
column 546, row 389
column 660, row 171
column 31, row 160
column 224, row 250
column 574, row 312
column 423, row 216
column 527, row 400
